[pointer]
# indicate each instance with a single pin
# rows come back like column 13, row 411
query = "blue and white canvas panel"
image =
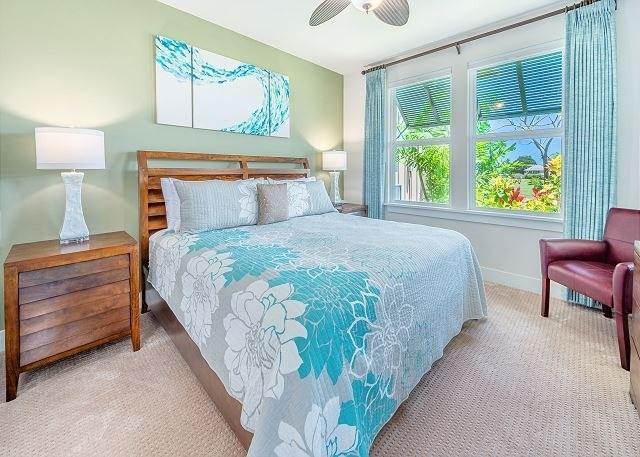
column 279, row 105
column 173, row 82
column 229, row 95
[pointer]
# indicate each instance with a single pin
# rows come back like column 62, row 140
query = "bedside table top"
column 346, row 208
column 41, row 251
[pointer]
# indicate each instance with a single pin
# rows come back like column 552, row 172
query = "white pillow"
column 299, row 198
column 286, row 181
column 320, row 203
column 308, row 198
column 217, row 204
column 171, row 203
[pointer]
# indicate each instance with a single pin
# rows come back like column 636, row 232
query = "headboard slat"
column 152, row 217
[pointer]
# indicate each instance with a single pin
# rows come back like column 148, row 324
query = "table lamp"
column 334, row 162
column 69, row 148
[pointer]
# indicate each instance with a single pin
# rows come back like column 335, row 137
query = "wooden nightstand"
column 61, row 300
column 352, row 209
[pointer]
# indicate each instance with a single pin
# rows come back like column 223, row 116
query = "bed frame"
column 152, row 216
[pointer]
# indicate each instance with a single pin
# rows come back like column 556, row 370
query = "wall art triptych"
column 201, row 89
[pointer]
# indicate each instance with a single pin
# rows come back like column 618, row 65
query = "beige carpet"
column 515, row 384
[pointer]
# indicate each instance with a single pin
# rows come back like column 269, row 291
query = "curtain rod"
column 456, row 44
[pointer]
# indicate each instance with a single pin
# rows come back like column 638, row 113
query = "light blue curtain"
column 375, row 142
column 590, row 116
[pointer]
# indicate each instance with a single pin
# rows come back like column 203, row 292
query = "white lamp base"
column 74, row 229
column 335, row 187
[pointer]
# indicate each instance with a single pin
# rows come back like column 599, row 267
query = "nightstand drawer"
column 74, row 335
column 74, row 270
column 62, row 306
column 74, row 311
column 67, row 286
column 86, row 297
column 353, row 209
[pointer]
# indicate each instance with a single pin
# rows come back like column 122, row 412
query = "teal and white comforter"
column 321, row 325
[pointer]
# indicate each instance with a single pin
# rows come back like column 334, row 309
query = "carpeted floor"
column 513, row 385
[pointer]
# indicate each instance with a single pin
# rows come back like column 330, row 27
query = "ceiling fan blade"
column 327, row 10
column 393, row 12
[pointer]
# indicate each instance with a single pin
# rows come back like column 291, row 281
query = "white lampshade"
column 334, row 161
column 66, row 148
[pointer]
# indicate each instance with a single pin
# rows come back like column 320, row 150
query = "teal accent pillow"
column 216, row 204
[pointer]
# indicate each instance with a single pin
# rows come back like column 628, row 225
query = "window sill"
column 543, row 223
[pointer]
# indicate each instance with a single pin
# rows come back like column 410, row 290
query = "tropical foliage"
column 501, row 182
column 431, row 162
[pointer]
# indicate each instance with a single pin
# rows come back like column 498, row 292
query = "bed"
column 309, row 333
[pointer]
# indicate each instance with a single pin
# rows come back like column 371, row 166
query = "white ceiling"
column 352, row 39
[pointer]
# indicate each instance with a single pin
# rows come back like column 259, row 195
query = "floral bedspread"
column 321, row 325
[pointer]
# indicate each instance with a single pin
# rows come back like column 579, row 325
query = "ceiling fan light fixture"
column 366, row 5
column 392, row 12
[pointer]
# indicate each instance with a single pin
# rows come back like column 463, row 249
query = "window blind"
column 522, row 88
column 426, row 104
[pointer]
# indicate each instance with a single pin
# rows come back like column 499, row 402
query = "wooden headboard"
column 152, row 210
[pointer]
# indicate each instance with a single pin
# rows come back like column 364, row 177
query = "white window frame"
column 393, row 143
column 462, row 152
column 473, row 137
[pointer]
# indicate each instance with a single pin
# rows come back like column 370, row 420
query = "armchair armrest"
column 623, row 288
column 562, row 249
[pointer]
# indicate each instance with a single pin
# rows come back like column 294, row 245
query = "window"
column 517, row 134
column 421, row 141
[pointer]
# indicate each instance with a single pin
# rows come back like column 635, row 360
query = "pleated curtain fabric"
column 375, row 142
column 590, row 129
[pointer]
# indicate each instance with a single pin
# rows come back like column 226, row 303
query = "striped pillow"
column 212, row 205
column 319, row 201
column 307, row 196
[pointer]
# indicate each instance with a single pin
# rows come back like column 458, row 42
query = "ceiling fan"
column 392, row 12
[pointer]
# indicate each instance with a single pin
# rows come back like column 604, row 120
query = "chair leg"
column 622, row 325
column 606, row 310
column 544, row 307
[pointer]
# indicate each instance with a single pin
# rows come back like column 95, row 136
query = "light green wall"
column 89, row 63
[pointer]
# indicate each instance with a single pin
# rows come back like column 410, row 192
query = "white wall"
column 353, row 137
column 508, row 255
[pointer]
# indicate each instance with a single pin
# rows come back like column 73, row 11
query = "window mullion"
column 519, row 134
column 417, row 143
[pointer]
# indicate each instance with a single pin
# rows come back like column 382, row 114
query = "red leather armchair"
column 602, row 270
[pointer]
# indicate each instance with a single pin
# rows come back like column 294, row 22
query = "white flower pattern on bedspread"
column 321, row 325
column 381, row 350
column 201, row 282
column 261, row 349
column 324, row 436
column 167, row 255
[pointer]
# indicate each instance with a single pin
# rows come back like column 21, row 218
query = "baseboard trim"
column 1, row 340
column 518, row 281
